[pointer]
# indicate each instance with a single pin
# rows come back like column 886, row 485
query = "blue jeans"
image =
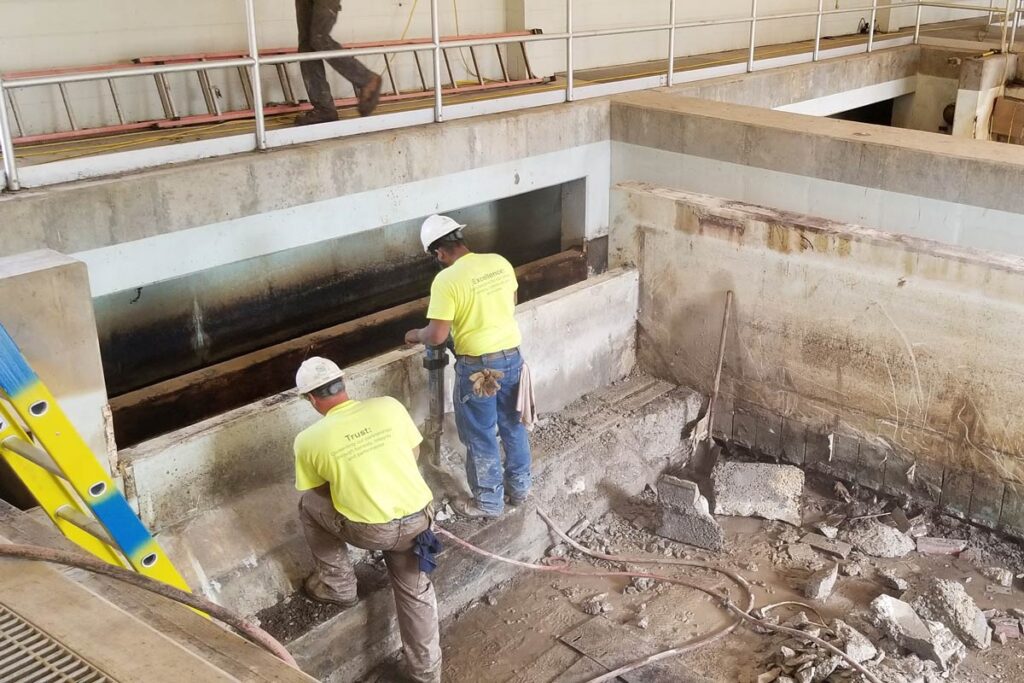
column 480, row 420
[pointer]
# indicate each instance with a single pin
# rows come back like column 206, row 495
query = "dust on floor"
column 536, row 628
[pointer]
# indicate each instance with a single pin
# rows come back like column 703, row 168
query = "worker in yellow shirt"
column 474, row 299
column 357, row 467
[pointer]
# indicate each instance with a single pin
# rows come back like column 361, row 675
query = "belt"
column 488, row 357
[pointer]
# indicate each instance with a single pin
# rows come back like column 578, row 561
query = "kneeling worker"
column 474, row 298
column 357, row 466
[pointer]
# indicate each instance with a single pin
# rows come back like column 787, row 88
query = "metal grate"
column 28, row 655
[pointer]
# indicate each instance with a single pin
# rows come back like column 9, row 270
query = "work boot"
column 316, row 116
column 470, row 508
column 369, row 96
column 315, row 589
column 517, row 499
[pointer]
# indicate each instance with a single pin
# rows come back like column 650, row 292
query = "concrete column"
column 982, row 80
column 53, row 324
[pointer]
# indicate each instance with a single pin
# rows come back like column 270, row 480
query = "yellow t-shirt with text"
column 364, row 450
column 477, row 295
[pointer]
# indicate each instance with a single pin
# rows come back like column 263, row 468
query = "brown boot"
column 315, row 589
column 316, row 116
column 369, row 96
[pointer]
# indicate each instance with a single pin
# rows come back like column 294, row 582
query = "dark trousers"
column 316, row 19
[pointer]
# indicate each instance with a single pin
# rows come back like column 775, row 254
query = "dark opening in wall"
column 879, row 113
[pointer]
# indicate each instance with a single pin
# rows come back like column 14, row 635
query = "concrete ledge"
column 607, row 446
column 235, row 472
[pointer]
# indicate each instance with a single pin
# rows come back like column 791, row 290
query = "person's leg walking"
column 321, row 527
column 476, row 419
column 365, row 82
column 514, row 438
column 314, row 76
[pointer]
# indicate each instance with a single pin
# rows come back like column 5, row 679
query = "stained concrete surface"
column 891, row 358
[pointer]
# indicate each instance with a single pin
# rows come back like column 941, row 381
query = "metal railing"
column 1010, row 16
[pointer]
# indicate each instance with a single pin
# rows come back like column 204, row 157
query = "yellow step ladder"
column 46, row 452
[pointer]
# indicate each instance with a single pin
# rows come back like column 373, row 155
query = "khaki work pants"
column 327, row 532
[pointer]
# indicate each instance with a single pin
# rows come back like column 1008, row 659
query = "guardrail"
column 254, row 61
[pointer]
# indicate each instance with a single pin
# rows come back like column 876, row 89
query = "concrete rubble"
column 758, row 490
column 596, row 605
column 927, row 545
column 878, row 540
column 928, row 639
column 890, row 579
column 821, row 583
column 686, row 516
column 826, row 545
column 1003, row 577
column 947, row 601
column 856, row 644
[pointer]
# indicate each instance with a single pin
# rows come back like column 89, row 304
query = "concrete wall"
column 153, row 226
column 982, row 80
column 884, row 359
column 938, row 77
column 235, row 472
column 47, row 311
column 903, row 181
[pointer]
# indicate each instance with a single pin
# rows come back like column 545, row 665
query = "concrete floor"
column 968, row 30
column 521, row 630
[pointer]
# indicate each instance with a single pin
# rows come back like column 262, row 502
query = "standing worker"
column 357, row 466
column 474, row 299
column 316, row 19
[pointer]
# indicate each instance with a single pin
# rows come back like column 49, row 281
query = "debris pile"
column 758, row 490
column 948, row 602
column 871, row 537
column 686, row 517
column 1006, row 626
column 929, row 640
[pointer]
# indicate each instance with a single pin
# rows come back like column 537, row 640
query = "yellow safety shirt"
column 476, row 294
column 364, row 450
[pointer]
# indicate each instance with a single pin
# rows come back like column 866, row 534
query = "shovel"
column 704, row 454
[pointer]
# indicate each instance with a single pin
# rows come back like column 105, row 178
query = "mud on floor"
column 538, row 627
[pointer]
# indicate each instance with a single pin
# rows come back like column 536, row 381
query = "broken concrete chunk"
column 596, row 605
column 695, row 526
column 803, row 553
column 948, row 602
column 927, row 545
column 1003, row 577
column 996, row 589
column 890, row 579
column 855, row 644
column 769, row 676
column 852, row 569
column 1006, row 628
column 928, row 640
column 758, row 490
column 879, row 540
column 820, row 584
column 825, row 545
column 679, row 493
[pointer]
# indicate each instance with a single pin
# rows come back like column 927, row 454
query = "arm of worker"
column 416, row 453
column 434, row 334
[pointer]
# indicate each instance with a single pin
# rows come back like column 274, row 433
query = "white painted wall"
column 37, row 34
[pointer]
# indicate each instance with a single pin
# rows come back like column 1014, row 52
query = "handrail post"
column 1016, row 19
column 871, row 27
column 7, row 144
column 917, row 23
column 753, row 32
column 568, row 52
column 817, row 32
column 257, row 84
column 671, row 43
column 435, row 35
column 1006, row 20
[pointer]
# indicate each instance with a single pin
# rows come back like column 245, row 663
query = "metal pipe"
column 257, row 83
column 1016, row 20
column 871, row 26
column 123, row 73
column 598, row 33
column 950, row 5
column 7, row 143
column 435, row 34
column 1006, row 28
column 671, row 43
column 753, row 34
column 434, row 362
column 568, row 52
column 817, row 33
column 917, row 24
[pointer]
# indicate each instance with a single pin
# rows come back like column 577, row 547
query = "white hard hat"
column 315, row 372
column 436, row 227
